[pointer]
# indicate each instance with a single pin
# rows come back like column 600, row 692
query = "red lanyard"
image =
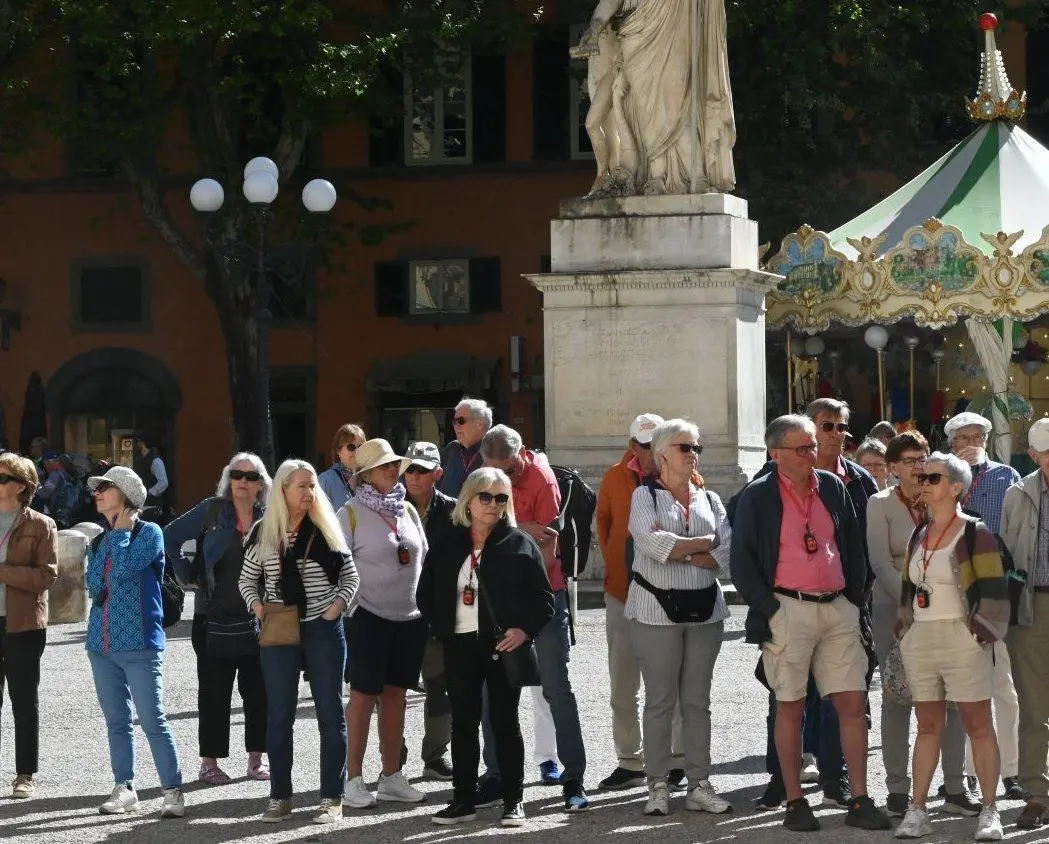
column 468, row 466
column 806, row 510
column 977, row 478
column 391, row 525
column 912, row 507
column 927, row 552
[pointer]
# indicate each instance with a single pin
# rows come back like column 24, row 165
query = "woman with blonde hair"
column 296, row 556
column 338, row 482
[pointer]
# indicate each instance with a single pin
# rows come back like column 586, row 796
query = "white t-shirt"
column 945, row 601
column 466, row 616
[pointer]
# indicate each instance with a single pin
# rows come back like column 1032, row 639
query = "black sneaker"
column 973, row 784
column 836, row 793
column 963, row 804
column 404, row 753
column 454, row 813
column 513, row 814
column 676, row 780
column 575, row 796
column 863, row 814
column 799, row 817
column 438, row 769
column 1013, row 789
column 489, row 793
column 622, row 778
column 897, row 804
column 773, row 797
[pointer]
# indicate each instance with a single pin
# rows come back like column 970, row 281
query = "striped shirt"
column 986, row 494
column 320, row 592
column 656, row 528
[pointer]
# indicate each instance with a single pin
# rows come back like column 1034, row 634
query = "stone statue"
column 661, row 118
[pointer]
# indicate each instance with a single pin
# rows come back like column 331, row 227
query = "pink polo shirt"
column 797, row 569
column 537, row 498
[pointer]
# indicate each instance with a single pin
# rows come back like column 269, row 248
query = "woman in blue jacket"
column 223, row 631
column 125, row 638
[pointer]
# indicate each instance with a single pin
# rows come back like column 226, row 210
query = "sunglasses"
column 840, row 427
column 241, row 475
column 418, row 470
column 104, row 486
column 685, row 448
column 351, row 447
column 499, row 498
column 932, row 479
column 460, row 420
column 8, row 479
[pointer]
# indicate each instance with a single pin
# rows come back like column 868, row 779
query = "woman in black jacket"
column 484, row 592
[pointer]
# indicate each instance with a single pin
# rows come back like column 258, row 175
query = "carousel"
column 950, row 274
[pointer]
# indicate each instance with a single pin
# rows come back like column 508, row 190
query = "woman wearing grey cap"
column 125, row 638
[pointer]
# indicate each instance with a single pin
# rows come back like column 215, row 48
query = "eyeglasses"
column 911, row 462
column 241, row 475
column 803, row 450
column 499, row 498
column 460, row 420
column 351, row 447
column 970, row 439
column 840, row 427
column 103, row 486
column 869, row 465
column 418, row 470
column 685, row 448
column 8, row 479
column 932, row 479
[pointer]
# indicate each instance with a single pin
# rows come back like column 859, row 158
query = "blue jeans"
column 120, row 678
column 553, row 646
column 322, row 652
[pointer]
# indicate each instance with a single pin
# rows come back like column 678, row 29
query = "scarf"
column 391, row 504
column 345, row 475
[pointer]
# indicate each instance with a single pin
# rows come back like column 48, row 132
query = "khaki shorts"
column 823, row 639
column 944, row 661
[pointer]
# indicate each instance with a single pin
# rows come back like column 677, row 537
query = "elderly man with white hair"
column 473, row 418
column 967, row 436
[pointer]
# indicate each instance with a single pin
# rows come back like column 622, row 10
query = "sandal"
column 260, row 772
column 214, row 775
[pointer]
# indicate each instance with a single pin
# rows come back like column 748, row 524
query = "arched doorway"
column 97, row 399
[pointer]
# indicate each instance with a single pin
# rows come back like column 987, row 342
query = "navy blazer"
column 755, row 546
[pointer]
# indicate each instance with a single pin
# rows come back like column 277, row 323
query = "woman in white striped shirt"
column 296, row 555
column 677, row 611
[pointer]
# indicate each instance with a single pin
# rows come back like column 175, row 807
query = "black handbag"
column 683, row 606
column 521, row 664
column 232, row 637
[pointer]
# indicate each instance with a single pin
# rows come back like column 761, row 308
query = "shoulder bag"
column 280, row 624
column 521, row 664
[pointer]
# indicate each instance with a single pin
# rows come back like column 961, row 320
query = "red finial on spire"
column 988, row 22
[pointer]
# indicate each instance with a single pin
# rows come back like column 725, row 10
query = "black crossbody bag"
column 521, row 664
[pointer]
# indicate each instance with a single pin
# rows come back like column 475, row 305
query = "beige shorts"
column 944, row 661
column 823, row 639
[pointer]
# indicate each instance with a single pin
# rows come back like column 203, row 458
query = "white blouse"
column 466, row 617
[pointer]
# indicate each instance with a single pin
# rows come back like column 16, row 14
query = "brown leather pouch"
column 280, row 626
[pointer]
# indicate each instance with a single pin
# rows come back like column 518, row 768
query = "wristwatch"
column 687, row 558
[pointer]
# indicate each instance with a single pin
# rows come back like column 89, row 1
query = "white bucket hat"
column 378, row 452
column 126, row 481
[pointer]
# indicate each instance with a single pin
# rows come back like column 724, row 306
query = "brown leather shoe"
column 1033, row 816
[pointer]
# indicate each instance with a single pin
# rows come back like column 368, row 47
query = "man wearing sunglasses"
column 967, row 436
column 462, row 455
column 435, row 509
column 798, row 560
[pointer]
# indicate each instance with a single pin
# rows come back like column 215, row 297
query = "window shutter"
column 486, row 286
column 392, row 296
column 386, row 131
column 551, row 76
column 488, row 107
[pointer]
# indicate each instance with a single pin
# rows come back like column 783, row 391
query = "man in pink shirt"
column 798, row 561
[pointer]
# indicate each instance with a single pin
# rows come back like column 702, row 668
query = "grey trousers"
column 677, row 665
column 896, row 722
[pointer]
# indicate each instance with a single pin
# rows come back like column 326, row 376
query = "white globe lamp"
column 319, row 196
column 814, row 347
column 876, row 337
column 266, row 165
column 206, row 196
column 260, row 187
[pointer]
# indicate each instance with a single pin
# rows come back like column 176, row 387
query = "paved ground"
column 75, row 774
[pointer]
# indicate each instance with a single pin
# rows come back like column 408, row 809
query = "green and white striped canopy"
column 995, row 180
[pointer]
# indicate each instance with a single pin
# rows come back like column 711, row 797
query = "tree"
column 248, row 78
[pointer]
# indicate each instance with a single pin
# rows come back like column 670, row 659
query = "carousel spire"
column 996, row 98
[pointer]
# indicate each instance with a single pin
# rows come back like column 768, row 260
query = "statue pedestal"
column 67, row 596
column 655, row 304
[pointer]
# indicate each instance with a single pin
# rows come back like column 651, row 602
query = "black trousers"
column 215, row 679
column 468, row 666
column 20, row 655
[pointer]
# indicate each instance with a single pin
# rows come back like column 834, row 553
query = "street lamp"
column 261, row 187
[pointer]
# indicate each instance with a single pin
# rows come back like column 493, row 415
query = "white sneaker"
column 174, row 804
column 703, row 798
column 658, row 799
column 330, row 811
column 809, row 772
column 397, row 789
column 915, row 824
column 122, row 800
column 989, row 825
column 355, row 795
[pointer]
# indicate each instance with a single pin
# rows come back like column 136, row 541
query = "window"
column 578, row 103
column 110, row 297
column 439, row 287
column 438, row 123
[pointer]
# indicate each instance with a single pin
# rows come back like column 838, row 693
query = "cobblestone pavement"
column 75, row 775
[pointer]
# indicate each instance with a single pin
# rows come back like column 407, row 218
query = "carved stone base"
column 68, row 594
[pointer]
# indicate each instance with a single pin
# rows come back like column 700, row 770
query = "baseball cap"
column 645, row 426
column 1038, row 436
column 964, row 420
column 424, row 454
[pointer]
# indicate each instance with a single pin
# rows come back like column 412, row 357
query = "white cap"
column 964, row 420
column 645, row 426
column 1038, row 436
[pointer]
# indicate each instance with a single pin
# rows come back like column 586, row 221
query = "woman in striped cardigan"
column 954, row 605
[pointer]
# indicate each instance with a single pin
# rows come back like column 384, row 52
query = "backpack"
column 1015, row 580
column 68, row 502
column 172, row 595
column 575, row 522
